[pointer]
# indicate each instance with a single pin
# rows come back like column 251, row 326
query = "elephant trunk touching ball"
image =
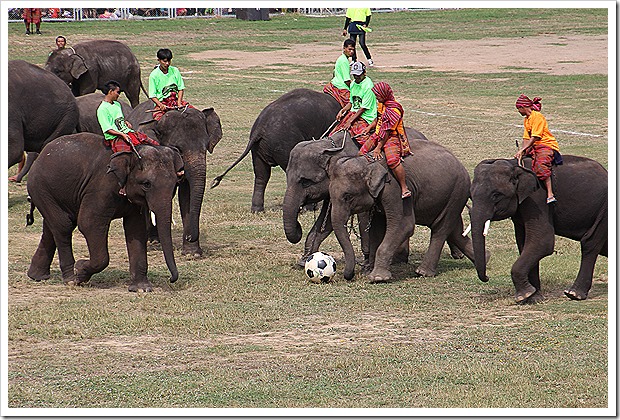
column 502, row 189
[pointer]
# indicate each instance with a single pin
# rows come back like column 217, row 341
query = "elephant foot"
column 379, row 275
column 141, row 286
column 81, row 275
column 534, row 299
column 457, row 254
column 575, row 294
column 524, row 293
column 257, row 209
column 38, row 274
column 400, row 257
column 425, row 272
column 192, row 249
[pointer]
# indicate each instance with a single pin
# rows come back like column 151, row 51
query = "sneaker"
column 27, row 32
column 551, row 200
column 38, row 32
column 370, row 63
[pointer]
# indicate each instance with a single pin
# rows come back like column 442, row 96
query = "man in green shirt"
column 338, row 87
column 117, row 132
column 361, row 111
column 166, row 85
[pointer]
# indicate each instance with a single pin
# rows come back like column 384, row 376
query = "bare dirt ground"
column 552, row 54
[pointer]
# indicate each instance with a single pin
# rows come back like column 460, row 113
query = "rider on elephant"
column 389, row 135
column 538, row 142
column 118, row 133
column 166, row 85
column 340, row 85
column 361, row 111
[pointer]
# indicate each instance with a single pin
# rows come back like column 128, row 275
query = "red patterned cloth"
column 393, row 149
column 341, row 95
column 542, row 159
column 32, row 15
column 172, row 102
column 524, row 101
column 120, row 145
column 356, row 128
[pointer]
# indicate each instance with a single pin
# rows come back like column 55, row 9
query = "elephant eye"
column 496, row 197
column 305, row 182
column 146, row 185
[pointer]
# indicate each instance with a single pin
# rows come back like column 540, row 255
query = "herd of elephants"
column 74, row 181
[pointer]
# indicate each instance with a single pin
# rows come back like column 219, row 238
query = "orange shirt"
column 536, row 125
column 399, row 128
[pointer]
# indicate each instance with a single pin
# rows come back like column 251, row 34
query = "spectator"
column 32, row 16
column 356, row 23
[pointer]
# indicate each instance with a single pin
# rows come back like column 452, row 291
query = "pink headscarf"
column 530, row 103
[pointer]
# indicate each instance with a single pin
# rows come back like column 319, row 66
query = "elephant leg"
column 62, row 227
column 135, row 238
column 319, row 231
column 95, row 230
column 42, row 259
column 428, row 266
column 262, row 173
column 363, row 220
column 455, row 251
column 462, row 245
column 189, row 248
column 525, row 271
column 402, row 253
column 376, row 235
column 592, row 245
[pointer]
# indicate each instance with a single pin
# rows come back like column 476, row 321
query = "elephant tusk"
column 487, row 225
column 466, row 231
column 173, row 222
column 153, row 219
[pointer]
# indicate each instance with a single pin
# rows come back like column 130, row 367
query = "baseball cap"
column 357, row 68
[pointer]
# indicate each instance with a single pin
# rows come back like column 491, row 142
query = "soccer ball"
column 320, row 267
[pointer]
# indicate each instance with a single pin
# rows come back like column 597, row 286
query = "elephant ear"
column 176, row 158
column 120, row 166
column 375, row 178
column 214, row 128
column 526, row 182
column 78, row 66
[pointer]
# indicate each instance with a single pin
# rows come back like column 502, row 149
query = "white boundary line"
column 434, row 114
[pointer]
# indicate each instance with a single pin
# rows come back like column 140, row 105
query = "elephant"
column 439, row 180
column 69, row 191
column 87, row 66
column 357, row 186
column 88, row 105
column 301, row 114
column 503, row 189
column 193, row 133
column 41, row 108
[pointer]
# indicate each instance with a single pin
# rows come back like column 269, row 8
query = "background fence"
column 68, row 14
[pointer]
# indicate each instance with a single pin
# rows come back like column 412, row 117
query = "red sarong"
column 356, row 128
column 542, row 159
column 119, row 144
column 32, row 15
column 341, row 95
column 394, row 148
column 172, row 102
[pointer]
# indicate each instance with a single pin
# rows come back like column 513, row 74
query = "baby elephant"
column 76, row 182
column 358, row 186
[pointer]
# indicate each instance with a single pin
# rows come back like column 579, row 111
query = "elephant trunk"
column 290, row 213
column 163, row 218
column 479, row 219
column 339, row 224
column 196, row 175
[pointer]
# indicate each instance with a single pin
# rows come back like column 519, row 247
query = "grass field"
column 243, row 327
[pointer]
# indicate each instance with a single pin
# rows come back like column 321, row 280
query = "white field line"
column 434, row 114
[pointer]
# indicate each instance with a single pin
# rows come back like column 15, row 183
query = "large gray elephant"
column 41, row 108
column 193, row 133
column 87, row 66
column 502, row 189
column 70, row 190
column 441, row 190
column 88, row 105
column 356, row 186
column 301, row 114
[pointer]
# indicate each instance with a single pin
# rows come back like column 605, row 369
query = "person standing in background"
column 32, row 16
column 357, row 19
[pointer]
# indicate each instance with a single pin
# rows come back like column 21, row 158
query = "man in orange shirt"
column 538, row 142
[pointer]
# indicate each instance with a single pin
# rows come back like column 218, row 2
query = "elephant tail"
column 143, row 90
column 251, row 143
column 30, row 216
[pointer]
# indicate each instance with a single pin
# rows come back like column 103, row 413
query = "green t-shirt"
column 161, row 85
column 110, row 116
column 358, row 14
column 362, row 96
column 342, row 72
